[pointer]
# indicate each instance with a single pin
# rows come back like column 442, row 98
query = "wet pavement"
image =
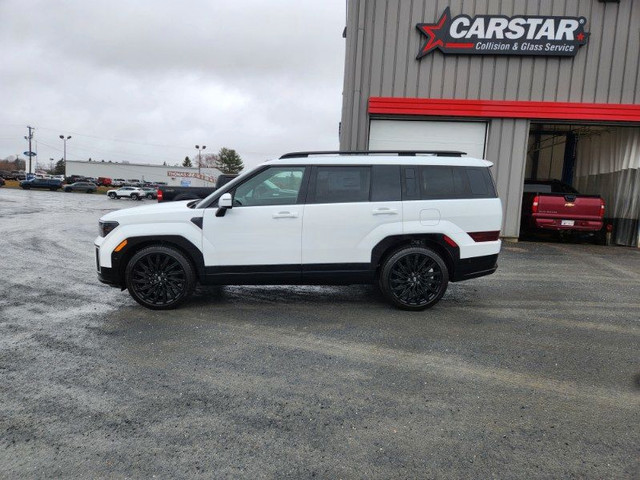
column 533, row 372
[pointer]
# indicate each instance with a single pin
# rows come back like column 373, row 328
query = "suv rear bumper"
column 578, row 224
column 475, row 267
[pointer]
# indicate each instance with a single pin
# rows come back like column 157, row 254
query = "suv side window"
column 341, row 184
column 273, row 186
column 385, row 185
column 439, row 182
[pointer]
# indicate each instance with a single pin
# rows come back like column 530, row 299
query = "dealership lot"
column 531, row 372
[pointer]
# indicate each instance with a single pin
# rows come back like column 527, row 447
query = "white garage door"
column 428, row 135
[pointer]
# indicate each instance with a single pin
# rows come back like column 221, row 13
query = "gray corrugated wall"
column 382, row 43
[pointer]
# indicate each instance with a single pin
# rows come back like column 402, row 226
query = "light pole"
column 64, row 140
column 29, row 138
column 199, row 158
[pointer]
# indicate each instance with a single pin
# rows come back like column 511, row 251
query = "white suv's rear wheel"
column 160, row 278
column 414, row 278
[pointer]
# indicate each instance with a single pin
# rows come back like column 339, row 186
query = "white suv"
column 134, row 193
column 409, row 222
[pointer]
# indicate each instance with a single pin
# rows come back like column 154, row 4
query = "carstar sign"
column 501, row 35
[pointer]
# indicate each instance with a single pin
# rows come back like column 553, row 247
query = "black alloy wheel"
column 134, row 196
column 414, row 278
column 160, row 278
column 112, row 195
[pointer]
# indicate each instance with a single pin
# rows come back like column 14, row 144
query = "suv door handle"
column 385, row 211
column 285, row 215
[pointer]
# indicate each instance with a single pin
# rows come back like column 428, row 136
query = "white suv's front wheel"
column 160, row 277
column 414, row 278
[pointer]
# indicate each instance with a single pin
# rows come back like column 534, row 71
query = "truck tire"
column 160, row 277
column 413, row 278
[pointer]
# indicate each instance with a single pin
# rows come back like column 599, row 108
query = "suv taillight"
column 159, row 195
column 601, row 208
column 534, row 206
column 484, row 236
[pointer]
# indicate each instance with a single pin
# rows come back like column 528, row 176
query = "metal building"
column 540, row 88
column 143, row 172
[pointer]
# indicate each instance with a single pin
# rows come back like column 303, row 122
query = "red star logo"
column 580, row 36
column 429, row 30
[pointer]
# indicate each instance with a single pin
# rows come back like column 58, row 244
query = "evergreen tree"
column 59, row 168
column 187, row 162
column 228, row 161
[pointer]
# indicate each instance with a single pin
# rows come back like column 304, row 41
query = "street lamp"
column 64, row 140
column 199, row 159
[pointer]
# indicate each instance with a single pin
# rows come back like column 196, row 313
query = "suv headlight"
column 105, row 228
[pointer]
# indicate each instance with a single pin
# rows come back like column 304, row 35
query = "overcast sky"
column 145, row 81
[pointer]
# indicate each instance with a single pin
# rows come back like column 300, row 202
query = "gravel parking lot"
column 533, row 372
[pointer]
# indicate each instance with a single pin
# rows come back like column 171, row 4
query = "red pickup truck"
column 553, row 205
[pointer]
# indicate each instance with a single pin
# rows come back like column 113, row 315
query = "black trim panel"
column 312, row 274
column 108, row 277
column 337, row 273
column 475, row 267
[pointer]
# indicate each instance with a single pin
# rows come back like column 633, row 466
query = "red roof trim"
column 504, row 109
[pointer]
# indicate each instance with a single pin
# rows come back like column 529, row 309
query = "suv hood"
column 156, row 212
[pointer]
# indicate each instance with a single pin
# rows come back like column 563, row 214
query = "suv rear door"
column 349, row 210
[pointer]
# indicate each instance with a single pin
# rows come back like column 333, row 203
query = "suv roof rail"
column 400, row 153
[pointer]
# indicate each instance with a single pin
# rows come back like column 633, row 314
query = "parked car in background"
column 555, row 206
column 133, row 181
column 43, row 183
column 134, row 193
column 150, row 192
column 87, row 187
column 7, row 175
column 75, row 178
column 117, row 182
column 18, row 175
column 104, row 181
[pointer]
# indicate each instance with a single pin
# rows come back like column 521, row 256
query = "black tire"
column 160, row 277
column 134, row 196
column 112, row 195
column 89, row 191
column 149, row 196
column 414, row 278
column 67, row 190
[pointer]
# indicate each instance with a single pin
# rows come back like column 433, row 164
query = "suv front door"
column 261, row 234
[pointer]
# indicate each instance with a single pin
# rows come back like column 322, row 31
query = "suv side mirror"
column 224, row 203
